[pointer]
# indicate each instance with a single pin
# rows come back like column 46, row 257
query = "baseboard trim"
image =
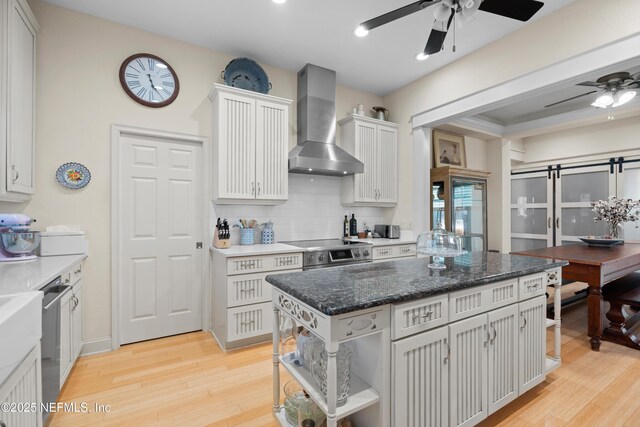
column 95, row 346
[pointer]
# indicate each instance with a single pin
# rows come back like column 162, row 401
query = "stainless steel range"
column 332, row 252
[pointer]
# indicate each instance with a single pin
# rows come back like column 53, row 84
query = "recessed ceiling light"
column 361, row 31
column 421, row 56
column 345, row 172
column 310, row 170
column 279, row 1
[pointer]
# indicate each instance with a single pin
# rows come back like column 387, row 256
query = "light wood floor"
column 187, row 380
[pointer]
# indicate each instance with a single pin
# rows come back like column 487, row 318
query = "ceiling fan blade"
column 398, row 13
column 570, row 99
column 591, row 84
column 522, row 10
column 437, row 36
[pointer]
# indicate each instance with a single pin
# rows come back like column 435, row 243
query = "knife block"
column 220, row 243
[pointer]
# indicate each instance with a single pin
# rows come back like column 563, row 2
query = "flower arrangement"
column 615, row 212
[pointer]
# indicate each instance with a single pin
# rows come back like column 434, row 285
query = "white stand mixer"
column 17, row 241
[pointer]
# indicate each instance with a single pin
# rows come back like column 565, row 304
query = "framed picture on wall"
column 448, row 149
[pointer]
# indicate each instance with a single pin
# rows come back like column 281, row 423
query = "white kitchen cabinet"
column 468, row 371
column 532, row 343
column 375, row 143
column 420, row 380
column 399, row 251
column 250, row 145
column 70, row 322
column 17, row 100
column 241, row 313
column 502, row 373
column 23, row 387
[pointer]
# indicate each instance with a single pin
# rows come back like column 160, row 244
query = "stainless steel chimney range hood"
column 317, row 152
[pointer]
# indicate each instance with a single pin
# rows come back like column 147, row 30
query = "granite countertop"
column 251, row 250
column 340, row 290
column 25, row 276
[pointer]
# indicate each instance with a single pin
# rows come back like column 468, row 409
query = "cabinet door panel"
column 468, row 371
column 503, row 357
column 420, row 381
column 531, row 343
column 365, row 183
column 65, row 337
column 76, row 321
column 387, row 185
column 21, row 92
column 237, row 143
column 272, row 145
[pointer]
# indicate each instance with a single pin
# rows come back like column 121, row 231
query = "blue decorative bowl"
column 245, row 73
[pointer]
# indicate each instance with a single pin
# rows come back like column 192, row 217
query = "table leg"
column 595, row 306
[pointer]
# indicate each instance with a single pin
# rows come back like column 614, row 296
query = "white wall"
column 476, row 153
column 603, row 140
column 577, row 28
column 313, row 211
column 78, row 98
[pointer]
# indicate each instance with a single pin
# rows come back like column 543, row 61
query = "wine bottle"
column 345, row 227
column 353, row 225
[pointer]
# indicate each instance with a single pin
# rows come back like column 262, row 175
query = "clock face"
column 149, row 80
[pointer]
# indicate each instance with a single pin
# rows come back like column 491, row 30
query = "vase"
column 614, row 229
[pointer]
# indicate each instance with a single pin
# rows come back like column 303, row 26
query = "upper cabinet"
column 17, row 100
column 250, row 145
column 375, row 143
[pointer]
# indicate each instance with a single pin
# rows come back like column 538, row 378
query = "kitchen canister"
column 267, row 236
column 247, row 236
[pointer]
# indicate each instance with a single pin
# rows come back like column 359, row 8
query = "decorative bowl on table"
column 601, row 241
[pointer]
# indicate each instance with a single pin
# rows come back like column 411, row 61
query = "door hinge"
column 198, row 245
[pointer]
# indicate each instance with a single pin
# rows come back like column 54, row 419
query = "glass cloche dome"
column 439, row 244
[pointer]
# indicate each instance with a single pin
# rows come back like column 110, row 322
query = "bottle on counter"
column 345, row 227
column 353, row 225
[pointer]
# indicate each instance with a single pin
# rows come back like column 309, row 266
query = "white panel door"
column 160, row 224
column 532, row 219
column 532, row 343
column 468, row 371
column 366, row 147
column 21, row 92
column 503, row 357
column 237, row 144
column 628, row 182
column 421, row 380
column 387, row 164
column 272, row 148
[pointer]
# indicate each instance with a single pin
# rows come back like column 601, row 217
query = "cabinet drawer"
column 256, row 264
column 362, row 324
column 532, row 286
column 248, row 289
column 480, row 299
column 76, row 272
column 395, row 251
column 417, row 316
column 249, row 321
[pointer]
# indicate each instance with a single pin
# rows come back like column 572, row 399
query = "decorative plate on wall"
column 73, row 175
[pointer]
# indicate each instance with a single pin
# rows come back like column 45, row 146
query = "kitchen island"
column 430, row 347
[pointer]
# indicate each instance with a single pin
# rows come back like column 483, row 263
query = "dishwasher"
column 50, row 344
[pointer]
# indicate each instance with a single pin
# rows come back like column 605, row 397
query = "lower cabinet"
column 70, row 329
column 394, row 251
column 421, row 380
column 460, row 373
column 24, row 387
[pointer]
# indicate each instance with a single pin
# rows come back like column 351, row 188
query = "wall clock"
column 149, row 80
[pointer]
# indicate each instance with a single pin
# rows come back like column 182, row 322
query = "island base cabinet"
column 421, row 380
column 503, row 357
column 468, row 372
column 23, row 386
column 532, row 343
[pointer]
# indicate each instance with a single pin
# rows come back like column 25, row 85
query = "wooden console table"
column 596, row 267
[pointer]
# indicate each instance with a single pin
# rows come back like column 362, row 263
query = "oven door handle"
column 60, row 295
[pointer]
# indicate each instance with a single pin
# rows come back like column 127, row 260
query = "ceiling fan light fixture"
column 361, row 31
column 604, row 100
column 442, row 12
column 468, row 4
column 624, row 97
column 421, row 56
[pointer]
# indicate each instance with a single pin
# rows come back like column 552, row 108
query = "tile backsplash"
column 313, row 211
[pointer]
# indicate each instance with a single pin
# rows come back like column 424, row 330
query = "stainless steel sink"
column 20, row 328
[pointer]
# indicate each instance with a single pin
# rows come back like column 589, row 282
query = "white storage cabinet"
column 375, row 143
column 241, row 303
column 250, row 145
column 18, row 29
column 23, row 386
column 394, row 251
column 71, row 321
